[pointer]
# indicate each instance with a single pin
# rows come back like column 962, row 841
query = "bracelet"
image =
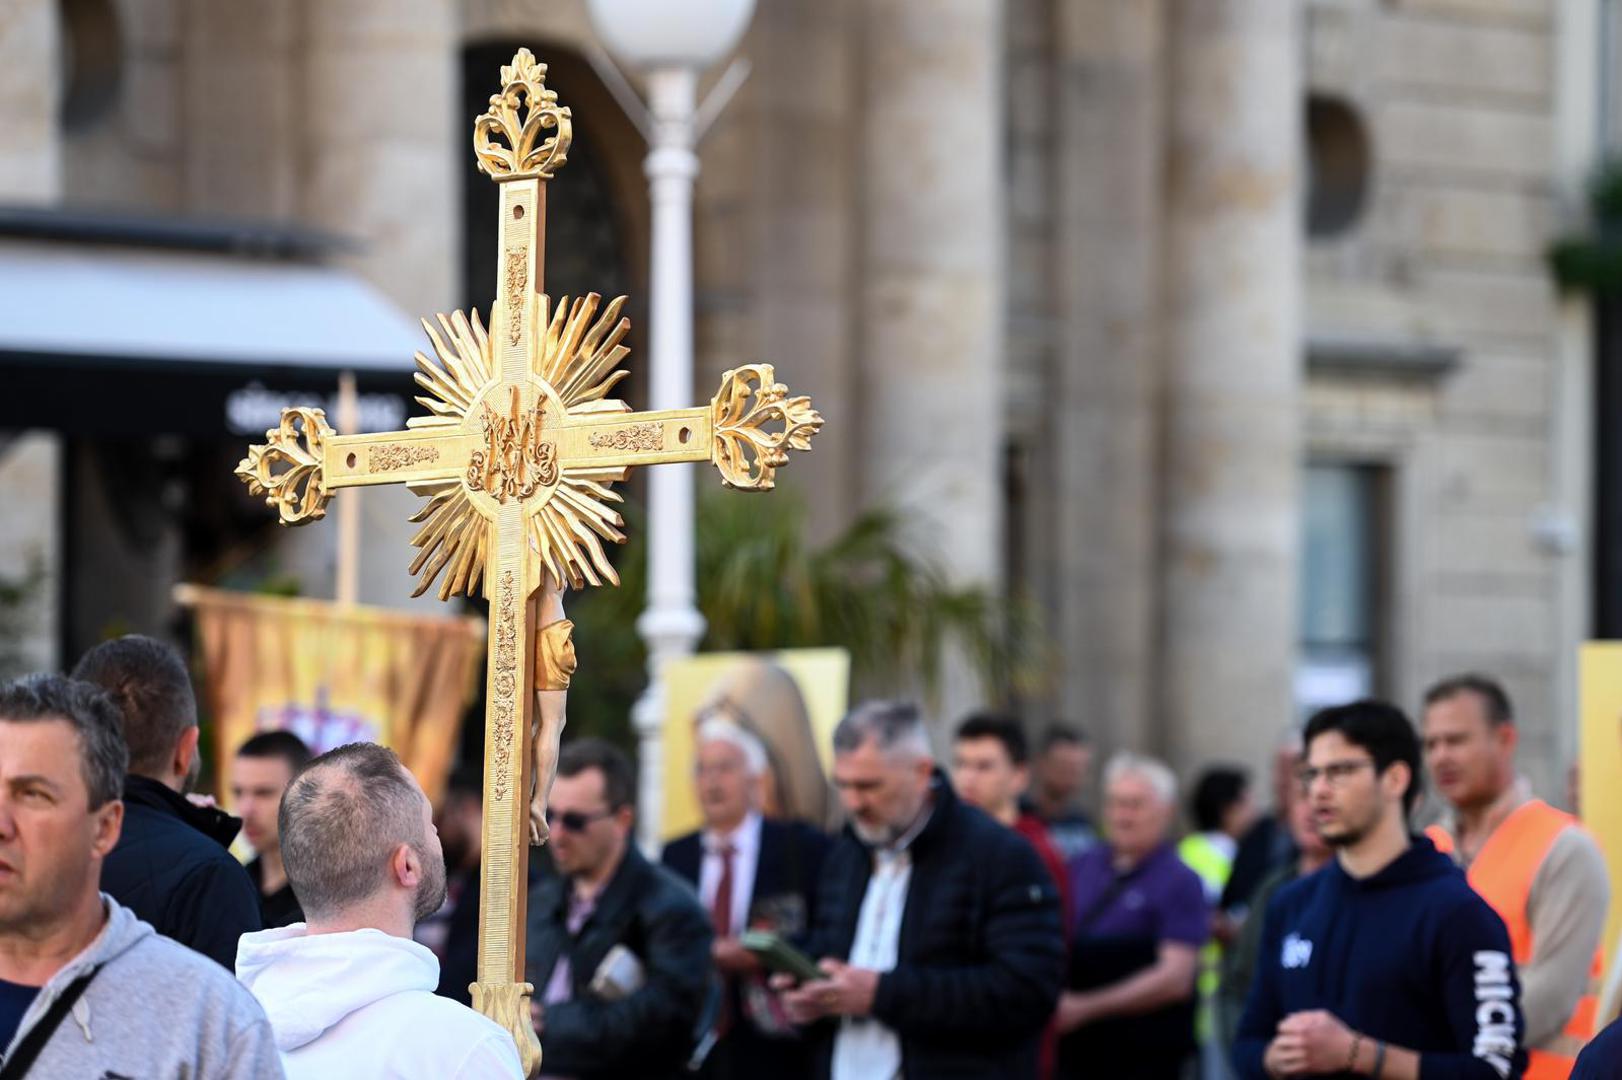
column 1379, row 1060
column 1351, row 1056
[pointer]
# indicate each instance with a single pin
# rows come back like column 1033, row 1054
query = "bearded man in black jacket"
column 937, row 927
column 171, row 865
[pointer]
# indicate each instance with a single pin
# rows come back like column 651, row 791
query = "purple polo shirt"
column 1159, row 898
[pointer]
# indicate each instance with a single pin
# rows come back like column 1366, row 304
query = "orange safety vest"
column 1502, row 875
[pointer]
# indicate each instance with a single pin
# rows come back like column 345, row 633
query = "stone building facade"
column 1219, row 327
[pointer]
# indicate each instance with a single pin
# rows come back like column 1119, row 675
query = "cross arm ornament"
column 746, row 432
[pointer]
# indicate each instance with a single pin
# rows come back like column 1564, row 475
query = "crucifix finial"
column 525, row 154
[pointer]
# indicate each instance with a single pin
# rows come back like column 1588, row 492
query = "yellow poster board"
column 1599, row 683
column 791, row 699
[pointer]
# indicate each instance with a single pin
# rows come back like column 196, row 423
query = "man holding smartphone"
column 960, row 985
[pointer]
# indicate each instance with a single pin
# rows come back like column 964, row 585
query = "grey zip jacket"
column 155, row 1011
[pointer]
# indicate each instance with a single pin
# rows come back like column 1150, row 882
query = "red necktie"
column 721, row 906
column 721, row 919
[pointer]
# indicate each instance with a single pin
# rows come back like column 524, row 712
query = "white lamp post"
column 671, row 43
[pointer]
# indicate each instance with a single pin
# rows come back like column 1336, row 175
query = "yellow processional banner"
column 334, row 674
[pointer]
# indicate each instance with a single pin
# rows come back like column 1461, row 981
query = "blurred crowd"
column 967, row 919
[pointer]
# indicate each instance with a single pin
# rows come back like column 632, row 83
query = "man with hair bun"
column 348, row 992
column 751, row 873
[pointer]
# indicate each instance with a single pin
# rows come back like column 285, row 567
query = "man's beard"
column 876, row 835
column 431, row 893
column 1351, row 833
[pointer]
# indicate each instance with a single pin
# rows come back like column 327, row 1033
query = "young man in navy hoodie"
column 1385, row 963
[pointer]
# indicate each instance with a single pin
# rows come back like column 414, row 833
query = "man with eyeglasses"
column 752, row 873
column 618, row 948
column 1385, row 963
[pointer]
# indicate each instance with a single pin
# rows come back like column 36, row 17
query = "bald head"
column 343, row 821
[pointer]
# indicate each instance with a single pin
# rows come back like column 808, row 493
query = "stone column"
column 1233, row 266
column 929, row 350
column 30, row 152
column 801, row 189
column 382, row 139
column 1109, row 101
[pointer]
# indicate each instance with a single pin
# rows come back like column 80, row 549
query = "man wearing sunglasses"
column 1385, row 963
column 618, row 948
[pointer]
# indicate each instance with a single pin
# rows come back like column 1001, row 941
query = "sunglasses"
column 574, row 820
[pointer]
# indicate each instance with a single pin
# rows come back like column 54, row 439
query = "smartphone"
column 778, row 955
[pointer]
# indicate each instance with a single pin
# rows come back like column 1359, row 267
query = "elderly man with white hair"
column 1140, row 919
column 752, row 873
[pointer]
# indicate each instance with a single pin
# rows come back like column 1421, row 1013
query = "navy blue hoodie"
column 1411, row 956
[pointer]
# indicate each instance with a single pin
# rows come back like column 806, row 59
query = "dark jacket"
column 1410, row 956
column 783, row 899
column 1601, row 1059
column 172, row 868
column 651, row 1032
column 981, row 956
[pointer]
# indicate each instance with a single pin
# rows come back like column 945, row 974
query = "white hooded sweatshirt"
column 361, row 1004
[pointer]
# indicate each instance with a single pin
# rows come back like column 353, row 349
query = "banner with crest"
column 334, row 674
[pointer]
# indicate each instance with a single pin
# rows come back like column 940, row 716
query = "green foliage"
column 761, row 585
column 1592, row 262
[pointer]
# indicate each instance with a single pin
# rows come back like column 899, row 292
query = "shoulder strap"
column 1094, row 911
column 19, row 1063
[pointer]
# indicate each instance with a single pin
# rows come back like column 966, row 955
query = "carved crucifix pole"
column 516, row 460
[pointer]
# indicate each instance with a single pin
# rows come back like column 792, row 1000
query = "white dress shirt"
column 745, row 841
column 866, row 1049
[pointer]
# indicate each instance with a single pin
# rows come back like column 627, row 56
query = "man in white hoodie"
column 349, row 993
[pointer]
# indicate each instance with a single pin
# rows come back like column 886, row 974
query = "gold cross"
column 516, row 459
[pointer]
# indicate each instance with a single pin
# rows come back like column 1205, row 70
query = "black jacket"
column 981, row 955
column 650, row 1033
column 171, row 867
column 786, row 872
column 783, row 899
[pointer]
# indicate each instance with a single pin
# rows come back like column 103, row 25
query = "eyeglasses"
column 574, row 820
column 1336, row 772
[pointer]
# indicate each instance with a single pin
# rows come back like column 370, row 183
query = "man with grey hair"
column 938, row 928
column 140, row 1004
column 350, row 993
column 752, row 873
column 1140, row 920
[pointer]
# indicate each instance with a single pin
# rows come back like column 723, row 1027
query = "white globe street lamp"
column 671, row 42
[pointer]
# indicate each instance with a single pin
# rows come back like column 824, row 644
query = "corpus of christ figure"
column 516, row 459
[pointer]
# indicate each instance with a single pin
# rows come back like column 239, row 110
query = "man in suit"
column 751, row 873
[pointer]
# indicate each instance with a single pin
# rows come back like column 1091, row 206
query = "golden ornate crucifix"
column 516, row 460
